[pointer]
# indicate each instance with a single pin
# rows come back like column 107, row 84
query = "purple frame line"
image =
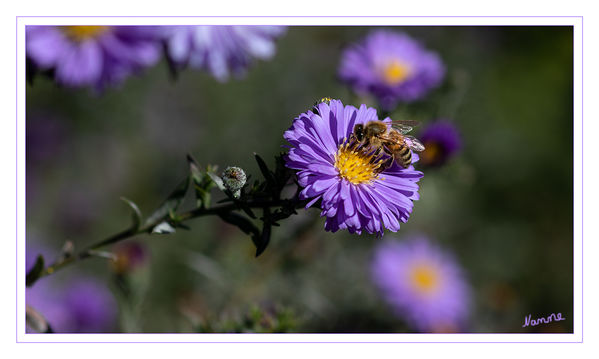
column 287, row 16
column 17, row 175
column 283, row 334
column 309, row 16
column 582, row 179
column 404, row 25
column 304, row 342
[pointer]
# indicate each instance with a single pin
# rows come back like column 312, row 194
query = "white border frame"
column 575, row 21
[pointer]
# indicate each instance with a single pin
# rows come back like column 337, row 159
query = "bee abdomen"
column 406, row 156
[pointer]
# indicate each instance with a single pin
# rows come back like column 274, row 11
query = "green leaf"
column 171, row 203
column 163, row 228
column 103, row 254
column 240, row 221
column 268, row 175
column 266, row 231
column 217, row 181
column 202, row 183
column 246, row 209
column 136, row 215
column 244, row 224
column 34, row 273
column 282, row 172
column 194, row 169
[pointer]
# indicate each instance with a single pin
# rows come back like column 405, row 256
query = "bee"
column 391, row 139
column 326, row 100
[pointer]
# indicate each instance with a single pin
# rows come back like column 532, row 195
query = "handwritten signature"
column 542, row 320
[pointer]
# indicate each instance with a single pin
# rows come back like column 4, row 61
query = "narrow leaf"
column 201, row 183
column 103, row 254
column 136, row 215
column 266, row 231
column 194, row 169
column 34, row 273
column 171, row 203
column 247, row 209
column 163, row 228
column 243, row 224
column 217, row 180
column 268, row 176
column 240, row 221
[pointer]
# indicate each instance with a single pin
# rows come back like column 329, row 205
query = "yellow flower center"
column 356, row 165
column 424, row 278
column 395, row 72
column 81, row 33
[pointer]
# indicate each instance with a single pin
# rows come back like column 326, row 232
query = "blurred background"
column 502, row 205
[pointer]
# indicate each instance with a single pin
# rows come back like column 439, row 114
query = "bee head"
column 326, row 100
column 359, row 131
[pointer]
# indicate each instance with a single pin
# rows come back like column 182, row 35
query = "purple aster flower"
column 92, row 55
column 441, row 140
column 221, row 50
column 423, row 284
column 357, row 191
column 391, row 66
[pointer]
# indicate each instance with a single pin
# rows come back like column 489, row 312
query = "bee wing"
column 403, row 129
column 404, row 126
column 413, row 143
column 407, row 122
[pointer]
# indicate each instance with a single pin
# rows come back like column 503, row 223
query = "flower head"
column 79, row 304
column 357, row 190
column 221, row 50
column 130, row 256
column 234, row 179
column 441, row 140
column 423, row 284
column 92, row 55
column 391, row 66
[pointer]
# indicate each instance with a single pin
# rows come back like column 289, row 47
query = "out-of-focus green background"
column 503, row 206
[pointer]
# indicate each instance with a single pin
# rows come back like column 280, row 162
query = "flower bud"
column 234, row 179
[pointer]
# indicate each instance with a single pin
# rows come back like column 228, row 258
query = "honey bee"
column 389, row 138
column 326, row 100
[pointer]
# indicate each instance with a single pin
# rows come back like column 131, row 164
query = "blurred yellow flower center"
column 356, row 166
column 424, row 279
column 431, row 153
column 395, row 72
column 80, row 33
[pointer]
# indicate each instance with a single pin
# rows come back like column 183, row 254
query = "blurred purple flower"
column 82, row 305
column 77, row 305
column 355, row 194
column 92, row 55
column 423, row 284
column 44, row 137
column 91, row 306
column 130, row 255
column 221, row 49
column 441, row 140
column 391, row 66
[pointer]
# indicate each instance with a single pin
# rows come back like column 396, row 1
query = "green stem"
column 128, row 233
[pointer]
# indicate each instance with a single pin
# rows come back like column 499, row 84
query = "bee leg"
column 376, row 155
column 385, row 164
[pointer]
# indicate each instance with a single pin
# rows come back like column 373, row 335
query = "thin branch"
column 128, row 233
